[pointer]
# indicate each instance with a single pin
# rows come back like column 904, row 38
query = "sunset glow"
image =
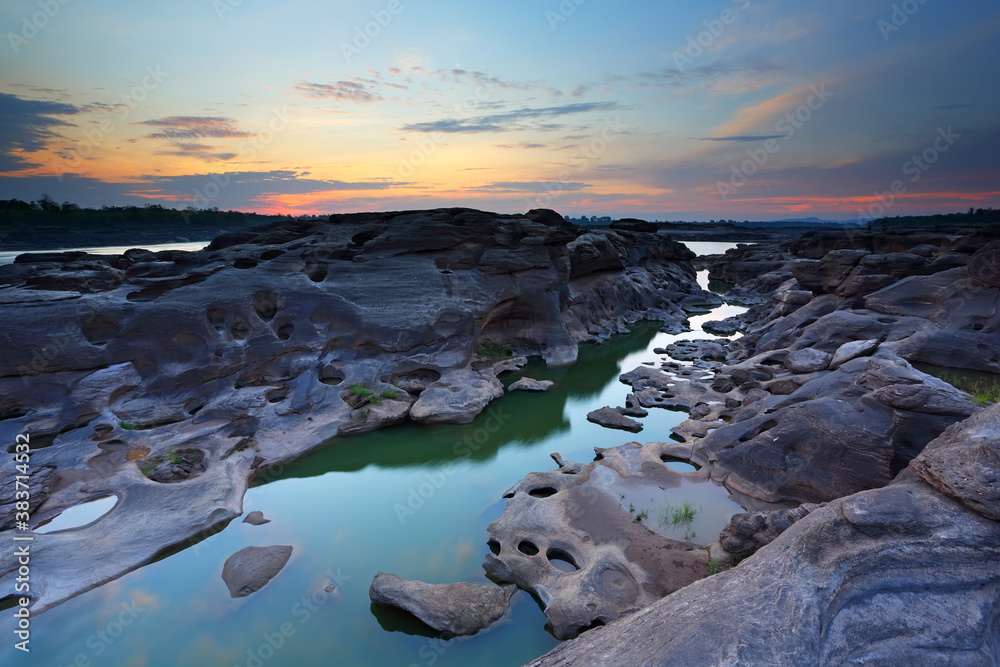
column 681, row 111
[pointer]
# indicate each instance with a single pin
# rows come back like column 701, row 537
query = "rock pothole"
column 177, row 465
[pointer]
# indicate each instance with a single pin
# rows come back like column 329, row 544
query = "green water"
column 412, row 500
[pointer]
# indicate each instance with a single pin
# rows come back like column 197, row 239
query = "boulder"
column 530, row 384
column 249, row 569
column 457, row 398
column 453, row 609
column 964, row 463
column 984, row 266
column 611, row 418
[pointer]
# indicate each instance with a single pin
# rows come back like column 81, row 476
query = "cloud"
column 526, row 186
column 178, row 131
column 746, row 137
column 343, row 91
column 194, row 127
column 511, row 120
column 26, row 125
column 721, row 75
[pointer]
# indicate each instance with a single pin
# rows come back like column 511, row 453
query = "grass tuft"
column 488, row 348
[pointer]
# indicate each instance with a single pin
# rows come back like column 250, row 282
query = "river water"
column 7, row 256
column 407, row 500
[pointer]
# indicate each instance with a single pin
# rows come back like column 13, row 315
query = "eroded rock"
column 566, row 537
column 454, row 609
column 249, row 569
column 611, row 418
column 530, row 384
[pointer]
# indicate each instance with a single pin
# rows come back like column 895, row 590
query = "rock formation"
column 169, row 378
column 566, row 537
column 452, row 609
column 905, row 574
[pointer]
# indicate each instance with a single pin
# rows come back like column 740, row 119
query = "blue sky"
column 669, row 110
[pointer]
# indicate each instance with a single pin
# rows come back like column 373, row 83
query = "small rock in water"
column 530, row 384
column 454, row 609
column 256, row 518
column 248, row 570
column 611, row 418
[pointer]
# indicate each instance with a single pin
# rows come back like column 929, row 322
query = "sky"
column 669, row 110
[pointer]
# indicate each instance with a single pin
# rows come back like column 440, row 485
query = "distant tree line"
column 974, row 216
column 45, row 211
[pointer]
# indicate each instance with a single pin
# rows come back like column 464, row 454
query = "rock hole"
column 316, row 272
column 271, row 254
column 455, row 389
column 364, row 237
column 887, row 320
column 978, row 326
column 193, row 408
column 243, row 428
column 596, row 623
column 680, row 465
column 527, row 548
column 216, row 317
column 36, row 442
column 277, row 396
column 245, row 263
column 329, row 375
column 12, row 412
column 78, row 516
column 267, row 304
column 754, row 432
column 240, row 329
column 494, row 547
column 543, row 492
column 136, row 454
column 99, row 331
column 561, row 560
column 284, row 332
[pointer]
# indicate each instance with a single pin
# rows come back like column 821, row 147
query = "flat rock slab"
column 454, row 609
column 611, row 418
column 256, row 518
column 530, row 384
column 248, row 570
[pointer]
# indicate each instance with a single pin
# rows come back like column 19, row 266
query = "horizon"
column 737, row 110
